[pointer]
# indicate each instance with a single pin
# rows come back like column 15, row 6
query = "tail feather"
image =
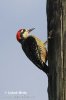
column 45, row 68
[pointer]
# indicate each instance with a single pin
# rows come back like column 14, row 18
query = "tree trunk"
column 56, row 20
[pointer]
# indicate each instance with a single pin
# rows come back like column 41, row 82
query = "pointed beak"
column 30, row 30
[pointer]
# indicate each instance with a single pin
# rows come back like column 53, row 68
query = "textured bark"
column 56, row 19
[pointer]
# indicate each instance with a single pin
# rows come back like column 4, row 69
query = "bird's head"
column 22, row 34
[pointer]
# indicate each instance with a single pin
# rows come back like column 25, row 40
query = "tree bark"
column 56, row 20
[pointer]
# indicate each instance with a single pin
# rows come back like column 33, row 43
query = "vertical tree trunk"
column 56, row 18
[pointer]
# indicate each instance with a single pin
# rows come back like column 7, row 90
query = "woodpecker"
column 34, row 48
